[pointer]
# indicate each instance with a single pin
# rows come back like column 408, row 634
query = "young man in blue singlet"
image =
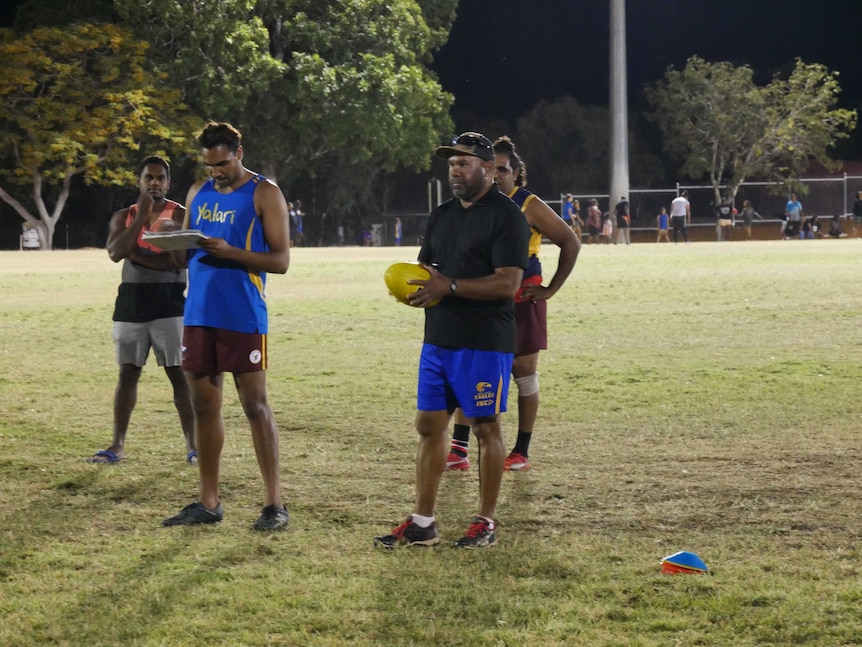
column 530, row 306
column 245, row 217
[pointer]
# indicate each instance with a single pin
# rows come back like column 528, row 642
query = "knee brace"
column 528, row 385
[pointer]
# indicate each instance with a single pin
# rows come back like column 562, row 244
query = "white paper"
column 174, row 240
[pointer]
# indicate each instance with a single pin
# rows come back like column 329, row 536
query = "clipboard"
column 174, row 240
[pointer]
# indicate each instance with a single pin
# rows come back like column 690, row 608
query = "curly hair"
column 506, row 146
column 155, row 159
column 220, row 134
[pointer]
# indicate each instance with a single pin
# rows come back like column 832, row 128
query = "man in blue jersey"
column 569, row 210
column 531, row 310
column 398, row 231
column 245, row 217
column 475, row 247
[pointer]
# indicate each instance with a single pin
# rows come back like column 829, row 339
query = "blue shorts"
column 475, row 380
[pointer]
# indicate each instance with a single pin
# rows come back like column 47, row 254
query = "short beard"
column 464, row 194
column 468, row 194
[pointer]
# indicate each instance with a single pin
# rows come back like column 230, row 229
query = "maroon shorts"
column 531, row 318
column 216, row 350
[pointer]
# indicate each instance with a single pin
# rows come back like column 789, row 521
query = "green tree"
column 77, row 101
column 318, row 87
column 717, row 122
column 802, row 120
column 356, row 102
column 565, row 147
column 216, row 53
column 439, row 16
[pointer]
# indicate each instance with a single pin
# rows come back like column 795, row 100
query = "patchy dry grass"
column 701, row 397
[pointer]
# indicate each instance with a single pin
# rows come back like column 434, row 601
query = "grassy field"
column 700, row 397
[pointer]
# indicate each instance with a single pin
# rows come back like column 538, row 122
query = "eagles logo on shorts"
column 485, row 395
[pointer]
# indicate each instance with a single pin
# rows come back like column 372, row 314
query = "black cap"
column 468, row 143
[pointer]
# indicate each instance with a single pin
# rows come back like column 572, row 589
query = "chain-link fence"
column 826, row 197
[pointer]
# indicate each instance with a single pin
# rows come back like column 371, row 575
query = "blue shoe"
column 104, row 457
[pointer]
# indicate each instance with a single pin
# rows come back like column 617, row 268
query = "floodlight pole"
column 431, row 183
column 619, row 162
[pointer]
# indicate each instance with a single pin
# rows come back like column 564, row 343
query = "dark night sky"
column 503, row 56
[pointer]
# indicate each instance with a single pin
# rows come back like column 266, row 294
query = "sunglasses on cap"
column 471, row 140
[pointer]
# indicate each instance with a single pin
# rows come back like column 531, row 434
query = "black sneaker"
column 480, row 534
column 409, row 534
column 195, row 513
column 272, row 518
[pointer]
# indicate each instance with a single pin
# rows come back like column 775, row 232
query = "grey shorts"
column 134, row 340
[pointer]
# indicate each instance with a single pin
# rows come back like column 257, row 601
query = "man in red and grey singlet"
column 148, row 312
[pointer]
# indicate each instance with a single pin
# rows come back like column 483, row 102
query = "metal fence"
column 826, row 197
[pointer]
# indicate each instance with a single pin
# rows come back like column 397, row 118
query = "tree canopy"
column 330, row 95
column 324, row 91
column 78, row 100
column 717, row 122
column 216, row 53
column 565, row 145
column 317, row 86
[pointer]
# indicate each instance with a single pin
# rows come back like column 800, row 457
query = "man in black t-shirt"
column 476, row 248
column 724, row 220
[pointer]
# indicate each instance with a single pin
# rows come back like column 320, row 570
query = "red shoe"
column 515, row 462
column 409, row 534
column 480, row 534
column 455, row 462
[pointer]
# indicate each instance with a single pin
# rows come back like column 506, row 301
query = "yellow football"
column 397, row 275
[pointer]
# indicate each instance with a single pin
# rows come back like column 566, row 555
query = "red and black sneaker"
column 409, row 534
column 480, row 534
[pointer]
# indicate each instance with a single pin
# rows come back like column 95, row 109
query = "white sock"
column 422, row 522
column 489, row 520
